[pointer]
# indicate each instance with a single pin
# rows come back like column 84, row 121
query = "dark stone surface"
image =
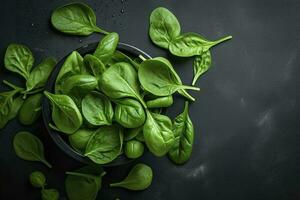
column 247, row 141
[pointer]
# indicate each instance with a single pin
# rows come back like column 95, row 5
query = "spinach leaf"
column 8, row 106
column 49, row 194
column 140, row 137
column 129, row 113
column 65, row 114
column 158, row 77
column 139, row 178
column 97, row 109
column 164, row 27
column 106, row 47
column 15, row 108
column 121, row 57
column 19, row 59
column 105, row 145
column 30, row 112
column 201, row 64
column 72, row 65
column 75, row 19
column 183, row 130
column 84, row 183
column 79, row 85
column 129, row 134
column 80, row 138
column 134, row 149
column 160, row 102
column 191, row 44
column 125, row 82
column 37, row 179
column 158, row 133
column 93, row 65
column 29, row 147
column 39, row 75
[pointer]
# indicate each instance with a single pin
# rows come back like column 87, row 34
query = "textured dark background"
column 247, row 139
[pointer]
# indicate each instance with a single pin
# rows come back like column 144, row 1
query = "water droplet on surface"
column 122, row 10
column 80, row 41
column 122, row 1
column 113, row 15
column 32, row 24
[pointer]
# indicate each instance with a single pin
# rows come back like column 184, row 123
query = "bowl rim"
column 56, row 136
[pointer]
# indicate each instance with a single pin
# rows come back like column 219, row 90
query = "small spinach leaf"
column 75, row 19
column 28, row 147
column 106, row 47
column 37, row 179
column 201, row 64
column 134, row 149
column 29, row 112
column 19, row 59
column 97, row 109
column 158, row 133
column 93, row 65
column 49, row 194
column 139, row 178
column 183, row 130
column 164, row 27
column 65, row 114
column 129, row 134
column 105, row 145
column 160, row 102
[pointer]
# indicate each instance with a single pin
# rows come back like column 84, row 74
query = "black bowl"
column 60, row 138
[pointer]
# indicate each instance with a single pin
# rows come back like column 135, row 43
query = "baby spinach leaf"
column 19, row 59
column 105, row 145
column 37, row 179
column 17, row 104
column 49, row 194
column 140, row 137
column 93, row 65
column 158, row 133
column 106, row 47
column 121, row 57
column 79, row 85
column 65, row 114
column 72, row 65
column 97, row 109
column 201, row 64
column 84, row 183
column 129, row 113
column 183, row 130
column 125, row 82
column 28, row 113
column 158, row 77
column 28, row 147
column 80, row 138
column 160, row 102
column 129, row 134
column 164, row 27
column 133, row 149
column 75, row 19
column 39, row 75
column 191, row 44
column 139, row 178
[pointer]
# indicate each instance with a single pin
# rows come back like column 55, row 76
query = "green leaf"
column 39, row 75
column 79, row 85
column 191, row 44
column 97, row 109
column 164, row 27
column 37, row 179
column 129, row 113
column 29, row 147
column 49, row 194
column 139, row 178
column 160, row 102
column 134, row 149
column 65, row 114
column 106, row 47
column 80, row 138
column 75, row 19
column 19, row 59
column 93, row 65
column 72, row 66
column 130, row 134
column 158, row 133
column 28, row 113
column 105, row 145
column 201, row 64
column 125, row 82
column 121, row 57
column 183, row 130
column 17, row 104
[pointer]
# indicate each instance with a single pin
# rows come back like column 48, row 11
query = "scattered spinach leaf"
column 37, row 179
column 201, row 64
column 30, row 112
column 49, row 194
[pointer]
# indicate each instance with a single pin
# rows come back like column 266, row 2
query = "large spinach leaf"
column 183, row 130
column 97, row 109
column 129, row 113
column 28, row 147
column 75, row 19
column 106, row 47
column 65, row 114
column 201, row 64
column 105, row 145
column 79, row 85
column 119, row 81
column 18, row 58
column 164, row 27
column 158, row 133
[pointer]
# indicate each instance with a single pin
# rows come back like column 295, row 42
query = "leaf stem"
column 99, row 30
column 142, row 57
column 190, row 87
column 221, row 40
column 186, row 95
column 32, row 91
column 12, row 85
column 47, row 163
